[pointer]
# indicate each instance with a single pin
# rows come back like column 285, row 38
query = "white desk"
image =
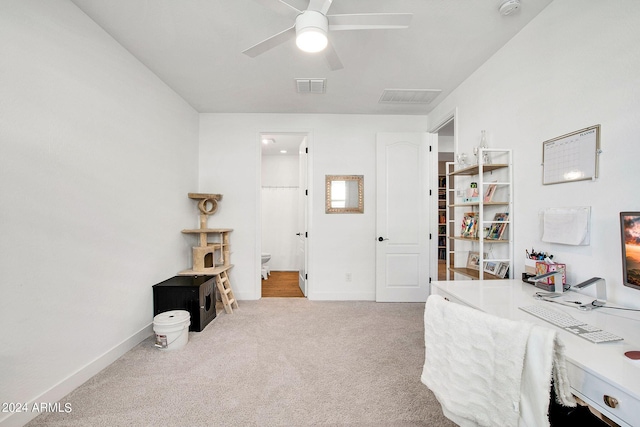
column 595, row 370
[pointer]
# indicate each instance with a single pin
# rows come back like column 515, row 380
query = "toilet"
column 265, row 268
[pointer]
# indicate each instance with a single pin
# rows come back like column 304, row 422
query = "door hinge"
column 306, row 277
column 306, row 192
column 429, row 148
column 430, row 192
column 429, row 236
column 306, row 150
column 429, row 279
column 306, row 234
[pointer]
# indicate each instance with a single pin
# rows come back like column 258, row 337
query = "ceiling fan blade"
column 271, row 42
column 280, row 7
column 321, row 6
column 332, row 58
column 369, row 21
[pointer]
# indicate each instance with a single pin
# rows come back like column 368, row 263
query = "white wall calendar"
column 571, row 157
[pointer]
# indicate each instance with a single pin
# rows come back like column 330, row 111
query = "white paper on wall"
column 567, row 226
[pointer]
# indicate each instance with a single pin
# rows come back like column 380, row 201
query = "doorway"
column 446, row 150
column 283, row 214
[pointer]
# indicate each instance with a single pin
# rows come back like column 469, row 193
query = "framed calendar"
column 571, row 157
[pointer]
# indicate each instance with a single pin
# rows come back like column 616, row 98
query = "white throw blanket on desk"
column 490, row 371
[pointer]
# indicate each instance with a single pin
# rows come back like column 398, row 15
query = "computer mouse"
column 633, row 355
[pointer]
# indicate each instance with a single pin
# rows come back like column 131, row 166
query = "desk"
column 595, row 370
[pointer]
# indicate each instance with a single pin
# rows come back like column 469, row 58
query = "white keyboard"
column 571, row 324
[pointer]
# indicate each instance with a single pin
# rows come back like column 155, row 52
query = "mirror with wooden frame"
column 344, row 193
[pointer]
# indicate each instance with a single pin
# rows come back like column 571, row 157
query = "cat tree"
column 212, row 256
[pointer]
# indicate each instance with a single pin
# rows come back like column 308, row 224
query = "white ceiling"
column 195, row 47
column 289, row 142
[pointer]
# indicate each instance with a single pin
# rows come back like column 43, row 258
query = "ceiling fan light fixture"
column 311, row 31
column 311, row 40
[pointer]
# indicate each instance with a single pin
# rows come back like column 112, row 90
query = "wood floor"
column 282, row 284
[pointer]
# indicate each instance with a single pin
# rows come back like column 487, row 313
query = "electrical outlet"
column 347, row 277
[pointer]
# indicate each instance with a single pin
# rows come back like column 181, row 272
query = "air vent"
column 409, row 96
column 311, row 85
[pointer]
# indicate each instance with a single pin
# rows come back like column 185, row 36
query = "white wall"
column 97, row 156
column 280, row 171
column 280, row 193
column 338, row 145
column 575, row 65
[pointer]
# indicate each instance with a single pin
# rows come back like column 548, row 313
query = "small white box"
column 530, row 266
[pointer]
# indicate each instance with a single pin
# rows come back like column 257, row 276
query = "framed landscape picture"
column 491, row 267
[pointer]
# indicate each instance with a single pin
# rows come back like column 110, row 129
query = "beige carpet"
column 273, row 362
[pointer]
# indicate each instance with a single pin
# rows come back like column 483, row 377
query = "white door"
column 302, row 217
column 402, row 216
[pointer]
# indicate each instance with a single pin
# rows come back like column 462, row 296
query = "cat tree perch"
column 205, row 260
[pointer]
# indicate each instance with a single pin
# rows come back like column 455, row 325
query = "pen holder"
column 543, row 267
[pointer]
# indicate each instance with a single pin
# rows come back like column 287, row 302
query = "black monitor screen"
column 630, row 228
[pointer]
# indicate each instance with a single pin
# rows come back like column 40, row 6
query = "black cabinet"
column 196, row 294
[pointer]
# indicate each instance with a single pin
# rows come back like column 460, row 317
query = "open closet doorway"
column 446, row 150
column 283, row 221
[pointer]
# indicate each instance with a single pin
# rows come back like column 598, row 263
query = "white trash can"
column 172, row 329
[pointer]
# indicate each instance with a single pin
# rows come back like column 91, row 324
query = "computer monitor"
column 630, row 236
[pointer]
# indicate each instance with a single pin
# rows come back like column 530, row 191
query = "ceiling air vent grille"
column 409, row 96
column 311, row 85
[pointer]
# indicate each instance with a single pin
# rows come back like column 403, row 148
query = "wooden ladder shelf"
column 226, row 293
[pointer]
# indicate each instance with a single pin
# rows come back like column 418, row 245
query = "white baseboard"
column 339, row 296
column 73, row 381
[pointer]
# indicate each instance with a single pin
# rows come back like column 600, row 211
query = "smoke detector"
column 507, row 7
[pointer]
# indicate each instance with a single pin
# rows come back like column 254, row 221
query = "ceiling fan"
column 312, row 25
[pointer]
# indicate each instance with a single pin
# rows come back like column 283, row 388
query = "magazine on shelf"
column 498, row 226
column 469, row 225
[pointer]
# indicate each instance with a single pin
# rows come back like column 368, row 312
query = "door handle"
column 297, row 234
column 380, row 239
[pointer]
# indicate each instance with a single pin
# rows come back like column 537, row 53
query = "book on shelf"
column 469, row 225
column 498, row 226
